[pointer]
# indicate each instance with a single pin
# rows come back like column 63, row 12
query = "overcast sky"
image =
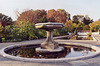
column 74, row 7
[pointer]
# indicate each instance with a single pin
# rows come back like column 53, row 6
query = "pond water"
column 69, row 51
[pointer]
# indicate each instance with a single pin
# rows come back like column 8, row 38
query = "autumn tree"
column 66, row 14
column 40, row 16
column 69, row 25
column 33, row 16
column 73, row 27
column 55, row 16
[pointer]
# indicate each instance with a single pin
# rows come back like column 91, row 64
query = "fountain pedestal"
column 49, row 45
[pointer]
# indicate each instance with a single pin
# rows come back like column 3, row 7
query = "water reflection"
column 69, row 51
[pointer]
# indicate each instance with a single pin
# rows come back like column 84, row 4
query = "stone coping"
column 59, row 37
column 49, row 25
column 2, row 52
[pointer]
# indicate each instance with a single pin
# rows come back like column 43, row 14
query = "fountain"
column 49, row 50
column 49, row 45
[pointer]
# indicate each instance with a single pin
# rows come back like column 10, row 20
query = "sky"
column 74, row 7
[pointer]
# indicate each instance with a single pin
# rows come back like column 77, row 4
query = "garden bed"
column 70, row 37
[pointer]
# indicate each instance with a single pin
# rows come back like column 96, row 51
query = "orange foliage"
column 55, row 16
column 33, row 16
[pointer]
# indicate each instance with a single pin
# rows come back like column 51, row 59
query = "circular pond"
column 71, row 52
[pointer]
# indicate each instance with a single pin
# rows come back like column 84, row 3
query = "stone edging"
column 49, row 60
column 94, row 38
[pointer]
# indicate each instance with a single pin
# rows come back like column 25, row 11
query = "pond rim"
column 2, row 52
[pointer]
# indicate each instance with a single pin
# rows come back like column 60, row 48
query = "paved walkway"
column 95, row 61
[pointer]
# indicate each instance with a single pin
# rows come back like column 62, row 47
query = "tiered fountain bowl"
column 49, row 45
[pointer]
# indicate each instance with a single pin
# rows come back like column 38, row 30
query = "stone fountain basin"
column 49, row 25
column 2, row 52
